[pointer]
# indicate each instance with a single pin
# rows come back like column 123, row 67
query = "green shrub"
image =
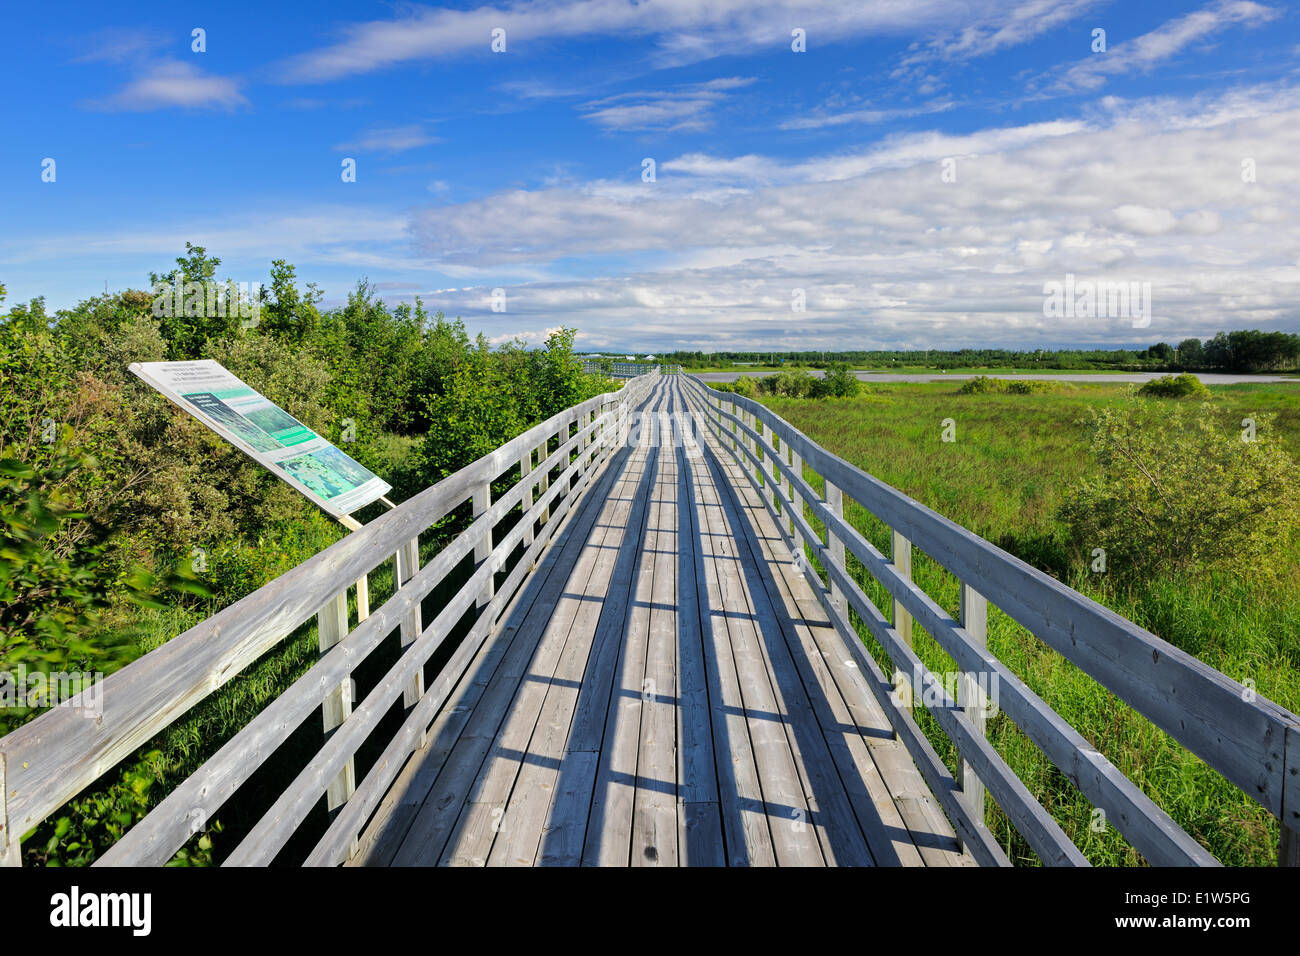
column 1175, row 386
column 794, row 383
column 745, row 385
column 1179, row 490
column 983, row 384
column 838, row 382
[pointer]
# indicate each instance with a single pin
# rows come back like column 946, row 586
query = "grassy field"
column 928, row 370
column 1004, row 478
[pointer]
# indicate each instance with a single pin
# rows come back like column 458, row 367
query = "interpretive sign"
column 265, row 432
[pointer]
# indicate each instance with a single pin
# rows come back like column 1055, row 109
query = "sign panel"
column 266, row 433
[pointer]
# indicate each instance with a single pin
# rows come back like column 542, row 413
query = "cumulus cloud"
column 889, row 253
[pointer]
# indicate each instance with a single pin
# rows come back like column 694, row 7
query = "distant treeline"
column 1241, row 351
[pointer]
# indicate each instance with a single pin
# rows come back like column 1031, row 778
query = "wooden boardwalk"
column 665, row 690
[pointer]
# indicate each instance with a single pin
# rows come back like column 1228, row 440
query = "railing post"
column 835, row 502
column 1288, row 847
column 332, row 627
column 901, row 551
column 363, row 597
column 406, row 563
column 483, row 547
column 526, row 502
column 970, row 696
column 795, row 461
column 544, row 478
column 11, row 849
column 770, row 470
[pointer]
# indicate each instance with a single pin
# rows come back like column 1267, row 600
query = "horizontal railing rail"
column 48, row 761
column 1252, row 741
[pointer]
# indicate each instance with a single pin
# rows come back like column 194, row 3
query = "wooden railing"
column 48, row 761
column 1251, row 741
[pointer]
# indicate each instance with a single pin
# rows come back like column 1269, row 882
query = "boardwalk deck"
column 665, row 690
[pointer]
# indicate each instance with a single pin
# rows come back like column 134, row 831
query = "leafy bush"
column 745, row 385
column 1180, row 490
column 983, row 384
column 793, row 383
column 838, row 382
column 1175, row 386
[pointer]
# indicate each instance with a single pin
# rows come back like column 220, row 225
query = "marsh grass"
column 1004, row 478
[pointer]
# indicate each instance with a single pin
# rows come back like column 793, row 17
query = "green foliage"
column 986, row 385
column 1180, row 490
column 838, row 382
column 792, row 383
column 745, row 385
column 1175, row 386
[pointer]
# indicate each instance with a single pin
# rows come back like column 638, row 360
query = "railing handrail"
column 1252, row 741
column 54, row 757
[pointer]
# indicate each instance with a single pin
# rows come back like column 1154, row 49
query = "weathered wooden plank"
column 936, row 775
column 574, row 803
column 654, row 818
column 881, row 825
column 748, row 839
column 462, row 780
column 515, row 643
column 786, row 805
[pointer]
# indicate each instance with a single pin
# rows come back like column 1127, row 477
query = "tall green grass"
column 1004, row 478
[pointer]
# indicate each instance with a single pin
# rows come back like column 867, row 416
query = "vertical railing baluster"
column 482, row 500
column 901, row 555
column 835, row 502
column 970, row 695
column 406, row 562
column 332, row 627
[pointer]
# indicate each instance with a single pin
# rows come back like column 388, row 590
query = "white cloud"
column 1166, row 41
column 684, row 30
column 686, row 108
column 889, row 254
column 393, row 139
column 174, row 83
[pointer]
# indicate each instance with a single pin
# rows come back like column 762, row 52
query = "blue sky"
column 775, row 170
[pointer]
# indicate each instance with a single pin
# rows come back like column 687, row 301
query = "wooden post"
column 835, row 501
column 406, row 563
column 544, row 478
column 974, row 618
column 796, row 500
column 769, row 466
column 525, row 467
column 11, row 849
column 363, row 597
column 483, row 547
column 902, row 557
column 1288, row 847
column 332, row 627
